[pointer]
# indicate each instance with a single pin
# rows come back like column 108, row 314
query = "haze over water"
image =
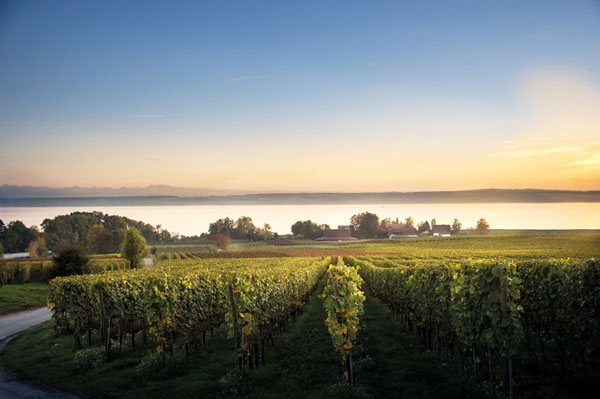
column 194, row 219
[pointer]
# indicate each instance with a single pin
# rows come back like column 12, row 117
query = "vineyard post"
column 102, row 318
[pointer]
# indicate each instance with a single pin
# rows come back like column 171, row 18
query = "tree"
column 456, row 226
column 16, row 237
column 424, row 227
column 483, row 227
column 221, row 241
column 221, row 226
column 244, row 228
column 433, row 222
column 133, row 248
column 102, row 241
column 409, row 222
column 365, row 225
column 1, row 249
column 308, row 229
column 37, row 248
column 70, row 260
column 75, row 229
column 264, row 233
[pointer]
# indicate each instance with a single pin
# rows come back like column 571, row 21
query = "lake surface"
column 194, row 219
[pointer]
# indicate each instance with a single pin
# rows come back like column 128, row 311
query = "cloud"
column 590, row 163
column 147, row 116
column 524, row 149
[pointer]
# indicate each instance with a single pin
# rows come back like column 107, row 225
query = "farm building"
column 342, row 233
column 17, row 255
column 397, row 230
column 441, row 230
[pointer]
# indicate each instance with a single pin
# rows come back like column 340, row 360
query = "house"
column 397, row 230
column 342, row 233
column 441, row 230
column 17, row 255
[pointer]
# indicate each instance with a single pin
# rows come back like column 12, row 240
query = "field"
column 15, row 297
column 508, row 244
column 460, row 317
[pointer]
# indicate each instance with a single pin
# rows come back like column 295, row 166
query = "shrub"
column 70, row 260
column 221, row 241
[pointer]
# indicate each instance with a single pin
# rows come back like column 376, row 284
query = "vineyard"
column 495, row 310
column 509, row 327
column 37, row 271
column 179, row 301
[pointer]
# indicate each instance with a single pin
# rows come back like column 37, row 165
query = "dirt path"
column 15, row 323
column 10, row 326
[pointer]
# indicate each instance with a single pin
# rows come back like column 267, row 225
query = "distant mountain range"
column 166, row 195
column 12, row 191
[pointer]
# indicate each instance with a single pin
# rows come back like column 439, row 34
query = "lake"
column 194, row 219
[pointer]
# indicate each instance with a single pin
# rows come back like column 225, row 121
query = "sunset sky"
column 301, row 96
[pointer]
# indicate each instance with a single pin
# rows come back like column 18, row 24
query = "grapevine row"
column 177, row 302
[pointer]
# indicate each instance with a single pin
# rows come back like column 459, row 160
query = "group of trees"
column 367, row 225
column 241, row 229
column 98, row 232
column 307, row 229
column 16, row 237
column 95, row 232
column 72, row 259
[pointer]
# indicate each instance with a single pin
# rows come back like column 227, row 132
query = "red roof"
column 400, row 229
column 441, row 229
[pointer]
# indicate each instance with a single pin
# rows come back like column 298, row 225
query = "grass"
column 391, row 364
column 303, row 364
column 15, row 297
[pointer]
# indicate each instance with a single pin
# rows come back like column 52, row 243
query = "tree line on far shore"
column 100, row 233
column 367, row 225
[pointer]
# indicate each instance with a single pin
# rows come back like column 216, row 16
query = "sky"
column 284, row 96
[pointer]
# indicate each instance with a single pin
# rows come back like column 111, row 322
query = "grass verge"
column 15, row 297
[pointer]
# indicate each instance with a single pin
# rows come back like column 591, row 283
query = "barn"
column 441, row 230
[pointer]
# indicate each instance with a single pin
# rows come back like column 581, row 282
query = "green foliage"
column 424, row 227
column 561, row 302
column 69, row 261
column 456, row 226
column 74, row 229
column 220, row 241
column 224, row 226
column 37, row 248
column 242, row 229
column 180, row 299
column 307, row 229
column 133, row 247
column 343, row 302
column 492, row 305
column 365, row 225
column 16, row 297
column 483, row 227
column 16, row 237
column 102, row 241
